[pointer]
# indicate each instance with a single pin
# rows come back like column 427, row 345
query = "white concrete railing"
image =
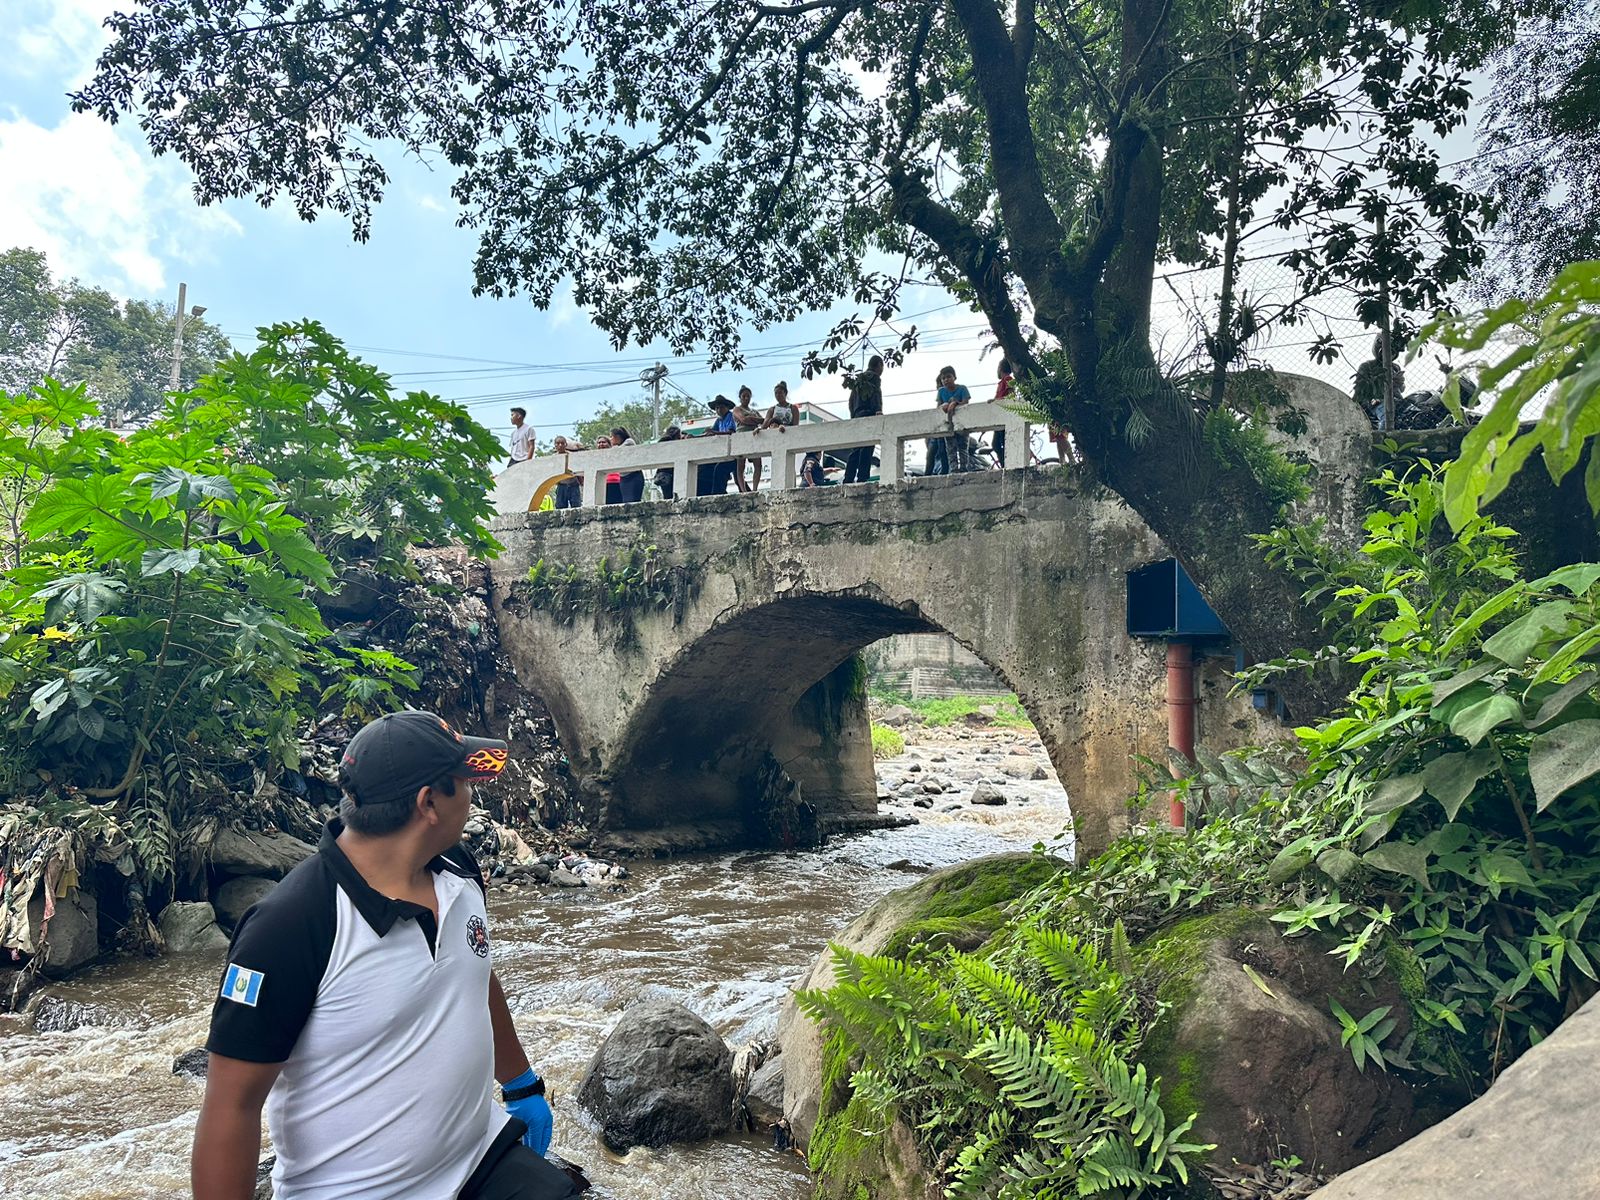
column 521, row 487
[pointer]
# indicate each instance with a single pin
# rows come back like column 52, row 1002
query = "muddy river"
column 95, row 1112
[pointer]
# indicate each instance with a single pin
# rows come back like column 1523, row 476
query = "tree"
column 695, row 168
column 157, row 629
column 1539, row 152
column 636, row 416
column 80, row 334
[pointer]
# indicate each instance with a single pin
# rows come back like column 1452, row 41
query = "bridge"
column 706, row 693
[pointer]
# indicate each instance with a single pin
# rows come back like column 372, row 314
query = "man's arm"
column 227, row 1139
column 510, row 1060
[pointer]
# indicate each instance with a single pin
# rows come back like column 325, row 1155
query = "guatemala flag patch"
column 242, row 985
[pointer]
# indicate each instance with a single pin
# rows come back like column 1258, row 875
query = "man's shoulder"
column 309, row 887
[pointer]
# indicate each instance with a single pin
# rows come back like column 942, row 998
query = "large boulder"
column 189, row 926
column 662, row 1075
column 238, row 896
column 71, row 937
column 960, row 906
column 252, row 852
column 1532, row 1134
column 1247, row 1040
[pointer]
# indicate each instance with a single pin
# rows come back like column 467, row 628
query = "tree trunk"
column 1096, row 303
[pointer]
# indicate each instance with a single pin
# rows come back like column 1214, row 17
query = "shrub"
column 886, row 742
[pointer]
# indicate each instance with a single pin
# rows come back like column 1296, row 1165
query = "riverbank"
column 95, row 1113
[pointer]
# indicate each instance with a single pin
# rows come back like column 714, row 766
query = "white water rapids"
column 95, row 1113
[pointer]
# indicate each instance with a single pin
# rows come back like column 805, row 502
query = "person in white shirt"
column 521, row 436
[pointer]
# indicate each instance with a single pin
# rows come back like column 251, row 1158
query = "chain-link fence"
column 1187, row 300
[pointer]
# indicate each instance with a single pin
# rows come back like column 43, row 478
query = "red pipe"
column 1180, row 711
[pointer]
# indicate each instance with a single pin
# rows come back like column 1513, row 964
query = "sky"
column 106, row 211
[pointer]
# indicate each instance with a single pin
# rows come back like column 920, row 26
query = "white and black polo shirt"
column 380, row 1017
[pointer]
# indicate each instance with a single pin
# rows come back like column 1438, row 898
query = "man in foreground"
column 359, row 1005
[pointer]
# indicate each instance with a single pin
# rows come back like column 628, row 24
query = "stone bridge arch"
column 666, row 710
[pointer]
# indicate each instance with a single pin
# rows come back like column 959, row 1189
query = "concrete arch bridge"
column 705, row 671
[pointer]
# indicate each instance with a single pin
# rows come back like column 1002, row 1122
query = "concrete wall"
column 927, row 665
column 1024, row 568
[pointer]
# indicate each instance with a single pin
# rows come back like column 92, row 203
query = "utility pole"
column 653, row 376
column 177, row 335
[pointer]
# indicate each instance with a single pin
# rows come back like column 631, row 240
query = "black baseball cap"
column 392, row 757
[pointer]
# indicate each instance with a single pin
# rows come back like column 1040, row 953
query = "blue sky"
column 105, row 210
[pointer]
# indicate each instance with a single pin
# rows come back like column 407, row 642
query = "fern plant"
column 1026, row 1064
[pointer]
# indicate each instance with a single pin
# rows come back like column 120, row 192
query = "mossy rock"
column 1247, row 1040
column 961, row 906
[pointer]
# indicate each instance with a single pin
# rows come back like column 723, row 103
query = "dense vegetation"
column 1448, row 815
column 159, row 641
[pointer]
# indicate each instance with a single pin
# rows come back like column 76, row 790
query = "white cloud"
column 54, row 39
column 96, row 202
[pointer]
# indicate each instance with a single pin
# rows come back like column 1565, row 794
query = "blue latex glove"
column 532, row 1111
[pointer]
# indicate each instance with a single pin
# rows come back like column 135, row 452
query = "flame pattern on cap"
column 488, row 762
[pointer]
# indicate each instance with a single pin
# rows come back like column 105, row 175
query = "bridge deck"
column 524, row 485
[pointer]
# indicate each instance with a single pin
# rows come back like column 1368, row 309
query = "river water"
column 95, row 1113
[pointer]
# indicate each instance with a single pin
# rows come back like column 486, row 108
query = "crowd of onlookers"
column 954, row 452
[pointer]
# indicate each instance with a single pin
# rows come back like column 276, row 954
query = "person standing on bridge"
column 953, row 395
column 521, row 437
column 631, row 483
column 711, row 479
column 569, row 492
column 866, row 400
column 745, row 419
column 360, row 1007
column 782, row 414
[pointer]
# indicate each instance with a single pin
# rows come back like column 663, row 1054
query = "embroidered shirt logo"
column 242, row 985
column 478, row 937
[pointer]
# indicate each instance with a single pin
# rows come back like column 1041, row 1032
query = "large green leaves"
column 1551, row 376
column 1563, row 758
column 81, row 598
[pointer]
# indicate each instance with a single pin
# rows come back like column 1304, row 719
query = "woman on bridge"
column 782, row 414
column 746, row 418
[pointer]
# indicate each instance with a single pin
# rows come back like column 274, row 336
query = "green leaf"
column 1522, row 637
column 1475, row 720
column 80, row 598
column 1338, row 863
column 163, row 562
column 1290, row 861
column 1450, row 778
column 1577, row 579
column 1561, row 758
column 186, row 488
column 296, row 554
column 1400, row 858
column 1393, row 793
column 1556, row 703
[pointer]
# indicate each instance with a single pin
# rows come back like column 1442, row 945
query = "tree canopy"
column 69, row 331
column 1539, row 151
column 696, row 169
column 636, row 416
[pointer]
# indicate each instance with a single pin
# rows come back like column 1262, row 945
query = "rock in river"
column 190, row 925
column 662, row 1075
column 987, row 793
column 236, row 896
column 765, row 1097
